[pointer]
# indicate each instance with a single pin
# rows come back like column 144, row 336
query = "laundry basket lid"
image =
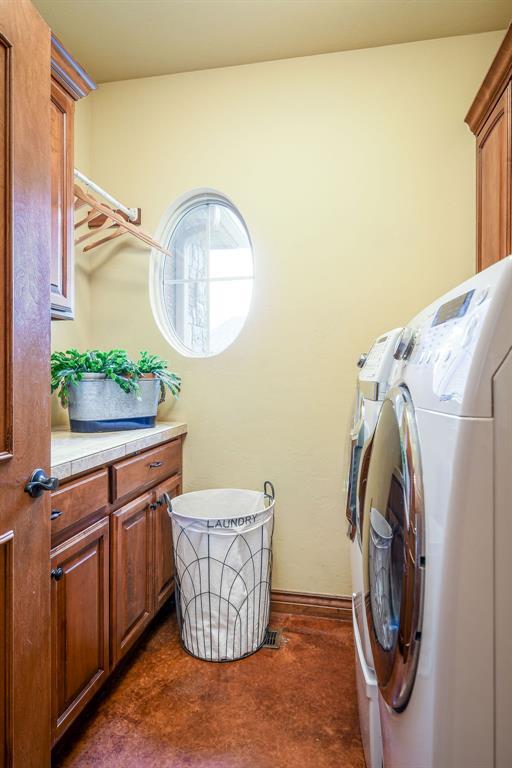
column 222, row 510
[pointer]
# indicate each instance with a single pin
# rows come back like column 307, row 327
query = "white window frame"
column 165, row 230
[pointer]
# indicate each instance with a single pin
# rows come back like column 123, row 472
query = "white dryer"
column 437, row 527
column 372, row 386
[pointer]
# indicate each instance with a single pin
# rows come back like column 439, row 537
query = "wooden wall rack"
column 104, row 219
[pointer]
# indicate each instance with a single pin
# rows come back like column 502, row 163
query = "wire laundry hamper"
column 222, row 543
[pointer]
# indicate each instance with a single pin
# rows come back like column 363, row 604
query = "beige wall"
column 355, row 173
column 75, row 333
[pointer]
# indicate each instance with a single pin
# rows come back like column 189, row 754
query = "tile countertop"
column 74, row 452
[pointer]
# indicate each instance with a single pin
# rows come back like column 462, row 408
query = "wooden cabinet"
column 112, row 569
column 493, row 184
column 61, row 265
column 132, row 573
column 142, row 563
column 163, row 562
column 80, row 622
column 68, row 84
column 490, row 120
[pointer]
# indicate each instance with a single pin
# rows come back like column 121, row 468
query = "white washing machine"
column 437, row 531
column 372, row 386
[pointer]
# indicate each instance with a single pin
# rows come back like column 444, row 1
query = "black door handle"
column 39, row 482
column 57, row 573
column 55, row 514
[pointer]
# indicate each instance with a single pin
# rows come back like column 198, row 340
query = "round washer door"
column 393, row 548
column 355, row 446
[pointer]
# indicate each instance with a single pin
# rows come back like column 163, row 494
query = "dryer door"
column 355, row 447
column 393, row 548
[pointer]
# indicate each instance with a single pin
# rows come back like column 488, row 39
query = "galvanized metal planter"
column 97, row 404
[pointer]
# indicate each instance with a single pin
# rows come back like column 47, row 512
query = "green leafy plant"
column 68, row 368
column 153, row 364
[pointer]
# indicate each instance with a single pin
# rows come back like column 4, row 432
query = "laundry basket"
column 222, row 543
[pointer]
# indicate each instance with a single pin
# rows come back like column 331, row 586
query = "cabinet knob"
column 55, row 514
column 57, row 573
column 153, row 505
column 155, row 464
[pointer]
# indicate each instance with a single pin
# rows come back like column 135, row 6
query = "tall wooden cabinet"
column 490, row 119
column 69, row 82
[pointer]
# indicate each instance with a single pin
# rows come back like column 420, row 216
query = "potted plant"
column 107, row 391
column 154, row 367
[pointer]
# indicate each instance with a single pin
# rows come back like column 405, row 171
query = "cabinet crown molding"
column 68, row 72
column 495, row 81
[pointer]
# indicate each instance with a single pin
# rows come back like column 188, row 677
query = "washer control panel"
column 444, row 341
column 443, row 336
column 379, row 361
column 458, row 343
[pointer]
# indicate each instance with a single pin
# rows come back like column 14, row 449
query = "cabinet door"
column 132, row 573
column 163, row 560
column 80, row 622
column 493, row 184
column 62, row 114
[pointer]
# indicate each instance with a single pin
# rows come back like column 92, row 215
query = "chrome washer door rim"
column 394, row 604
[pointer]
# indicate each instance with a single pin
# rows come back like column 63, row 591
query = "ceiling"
column 124, row 39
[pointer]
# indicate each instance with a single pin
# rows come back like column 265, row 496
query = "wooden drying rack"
column 102, row 218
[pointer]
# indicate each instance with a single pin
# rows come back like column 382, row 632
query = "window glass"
column 203, row 291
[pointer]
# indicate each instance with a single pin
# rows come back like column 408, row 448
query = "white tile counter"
column 74, row 452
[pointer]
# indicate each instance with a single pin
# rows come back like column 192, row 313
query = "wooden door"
column 132, row 573
column 24, row 385
column 163, row 561
column 80, row 622
column 493, row 184
column 62, row 284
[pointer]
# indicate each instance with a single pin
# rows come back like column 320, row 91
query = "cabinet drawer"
column 146, row 469
column 79, row 499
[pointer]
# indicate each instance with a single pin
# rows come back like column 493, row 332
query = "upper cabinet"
column 490, row 119
column 69, row 83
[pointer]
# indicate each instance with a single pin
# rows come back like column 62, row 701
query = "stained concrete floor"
column 290, row 708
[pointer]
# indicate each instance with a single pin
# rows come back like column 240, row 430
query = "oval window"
column 202, row 294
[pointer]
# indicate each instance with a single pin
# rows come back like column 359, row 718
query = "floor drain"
column 272, row 638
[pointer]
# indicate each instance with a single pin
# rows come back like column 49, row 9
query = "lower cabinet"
column 163, row 562
column 80, row 622
column 132, row 573
column 109, row 576
column 142, row 563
